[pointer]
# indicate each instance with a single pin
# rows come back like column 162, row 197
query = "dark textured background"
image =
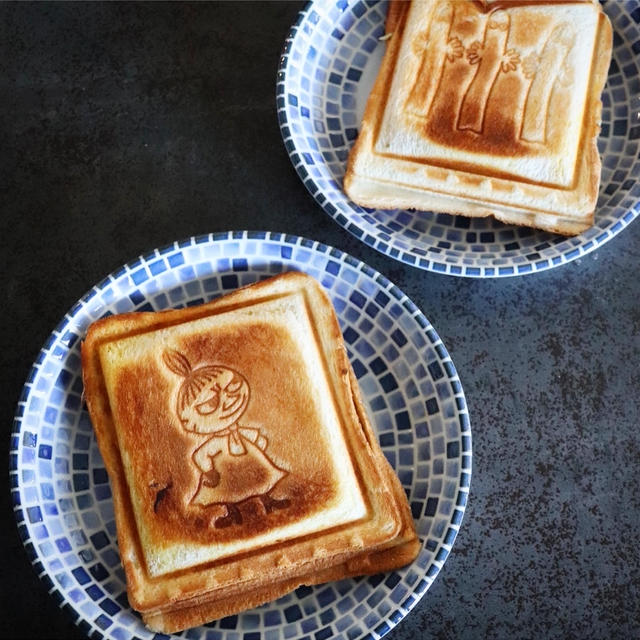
column 127, row 126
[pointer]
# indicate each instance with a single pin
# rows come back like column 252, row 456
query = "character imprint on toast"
column 232, row 462
column 542, row 69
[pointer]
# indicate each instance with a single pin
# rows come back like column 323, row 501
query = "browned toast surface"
column 241, row 459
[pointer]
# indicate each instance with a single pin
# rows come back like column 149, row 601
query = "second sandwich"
column 487, row 108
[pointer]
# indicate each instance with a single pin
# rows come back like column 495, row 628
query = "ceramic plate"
column 61, row 493
column 329, row 63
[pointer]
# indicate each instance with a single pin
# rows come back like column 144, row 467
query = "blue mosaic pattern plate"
column 329, row 62
column 60, row 489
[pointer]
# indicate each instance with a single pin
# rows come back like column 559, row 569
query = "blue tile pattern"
column 61, row 495
column 329, row 61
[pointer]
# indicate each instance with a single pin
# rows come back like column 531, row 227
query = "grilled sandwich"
column 487, row 108
column 240, row 455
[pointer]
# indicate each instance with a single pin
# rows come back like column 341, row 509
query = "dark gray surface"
column 128, row 126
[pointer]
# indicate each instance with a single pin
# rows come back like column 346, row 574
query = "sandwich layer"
column 305, row 456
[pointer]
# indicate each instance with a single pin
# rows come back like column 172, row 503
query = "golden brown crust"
column 190, row 616
column 239, row 499
column 469, row 113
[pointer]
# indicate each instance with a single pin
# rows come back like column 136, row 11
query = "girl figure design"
column 232, row 462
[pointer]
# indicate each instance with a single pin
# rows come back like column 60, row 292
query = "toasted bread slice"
column 487, row 108
column 241, row 459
